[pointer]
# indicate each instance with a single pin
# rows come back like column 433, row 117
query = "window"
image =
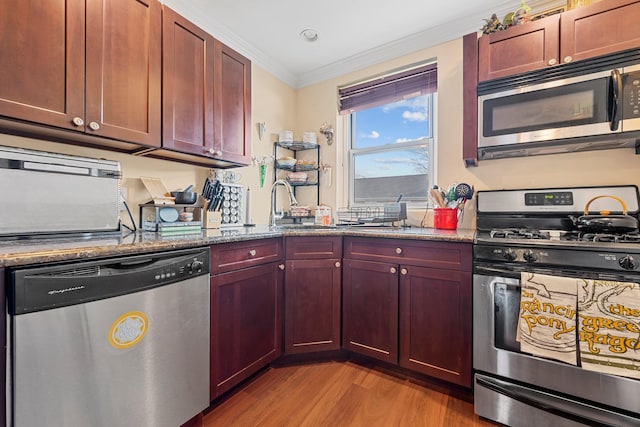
column 391, row 137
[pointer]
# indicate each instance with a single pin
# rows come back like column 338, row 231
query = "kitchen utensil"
column 604, row 222
column 463, row 190
column 437, row 197
column 185, row 197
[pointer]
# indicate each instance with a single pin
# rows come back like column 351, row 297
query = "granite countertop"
column 37, row 251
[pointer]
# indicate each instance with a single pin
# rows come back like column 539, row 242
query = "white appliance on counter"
column 47, row 193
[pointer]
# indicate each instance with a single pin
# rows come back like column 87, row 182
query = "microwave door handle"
column 615, row 89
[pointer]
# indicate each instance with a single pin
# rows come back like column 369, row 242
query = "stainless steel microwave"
column 588, row 106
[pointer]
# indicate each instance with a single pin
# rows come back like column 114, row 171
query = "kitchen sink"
column 304, row 227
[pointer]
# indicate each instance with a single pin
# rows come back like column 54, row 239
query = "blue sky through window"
column 384, row 127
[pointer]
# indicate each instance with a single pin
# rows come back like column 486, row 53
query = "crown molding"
column 222, row 33
column 389, row 51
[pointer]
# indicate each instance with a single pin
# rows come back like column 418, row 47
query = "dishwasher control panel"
column 49, row 287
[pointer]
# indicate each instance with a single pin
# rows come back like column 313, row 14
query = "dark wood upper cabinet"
column 602, row 28
column 519, row 49
column 124, row 70
column 187, row 85
column 93, row 67
column 45, row 42
column 598, row 29
column 232, row 109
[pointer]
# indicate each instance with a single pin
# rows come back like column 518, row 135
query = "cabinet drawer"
column 235, row 256
column 313, row 247
column 447, row 255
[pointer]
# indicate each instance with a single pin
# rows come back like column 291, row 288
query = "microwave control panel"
column 631, row 96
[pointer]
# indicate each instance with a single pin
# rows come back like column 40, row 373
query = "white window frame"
column 349, row 156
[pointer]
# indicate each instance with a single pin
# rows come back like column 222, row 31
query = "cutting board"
column 158, row 191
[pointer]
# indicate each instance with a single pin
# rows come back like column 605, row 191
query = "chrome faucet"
column 292, row 199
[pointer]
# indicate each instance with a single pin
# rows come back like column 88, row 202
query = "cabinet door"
column 370, row 309
column 599, row 29
column 526, row 47
column 187, row 85
column 42, row 55
column 123, row 70
column 246, row 324
column 232, row 110
column 312, row 305
column 435, row 323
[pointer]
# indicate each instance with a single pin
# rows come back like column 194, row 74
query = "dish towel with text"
column 547, row 322
column 609, row 327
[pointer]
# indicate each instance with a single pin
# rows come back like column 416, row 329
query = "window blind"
column 390, row 88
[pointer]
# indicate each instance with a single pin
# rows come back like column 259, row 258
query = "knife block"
column 210, row 219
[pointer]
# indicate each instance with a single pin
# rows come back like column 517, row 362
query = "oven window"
column 506, row 306
column 571, row 105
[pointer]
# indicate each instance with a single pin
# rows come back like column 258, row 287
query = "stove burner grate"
column 518, row 233
column 605, row 237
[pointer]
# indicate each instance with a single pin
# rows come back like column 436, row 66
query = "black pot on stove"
column 604, row 222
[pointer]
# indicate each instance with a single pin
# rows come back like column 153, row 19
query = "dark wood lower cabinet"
column 312, row 305
column 370, row 309
column 435, row 323
column 246, row 323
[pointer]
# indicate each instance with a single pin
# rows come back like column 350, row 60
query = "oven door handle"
column 564, row 407
column 615, row 89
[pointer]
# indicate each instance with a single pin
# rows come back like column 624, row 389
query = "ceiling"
column 353, row 34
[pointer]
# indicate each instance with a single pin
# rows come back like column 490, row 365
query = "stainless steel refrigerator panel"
column 160, row 381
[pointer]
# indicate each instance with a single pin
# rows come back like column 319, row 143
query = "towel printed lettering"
column 590, row 327
column 534, row 318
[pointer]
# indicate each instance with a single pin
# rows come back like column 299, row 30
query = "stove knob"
column 509, row 255
column 196, row 266
column 529, row 256
column 628, row 263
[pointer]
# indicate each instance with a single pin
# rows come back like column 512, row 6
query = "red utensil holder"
column 445, row 218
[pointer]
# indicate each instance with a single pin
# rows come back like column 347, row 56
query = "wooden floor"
column 341, row 394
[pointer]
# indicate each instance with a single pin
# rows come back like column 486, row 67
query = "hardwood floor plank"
column 340, row 394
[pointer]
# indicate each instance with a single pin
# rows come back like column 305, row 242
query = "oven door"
column 509, row 383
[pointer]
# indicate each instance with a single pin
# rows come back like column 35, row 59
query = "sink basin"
column 304, row 227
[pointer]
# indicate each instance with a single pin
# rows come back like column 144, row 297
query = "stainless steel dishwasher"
column 113, row 342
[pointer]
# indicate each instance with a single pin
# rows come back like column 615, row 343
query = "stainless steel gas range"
column 556, row 336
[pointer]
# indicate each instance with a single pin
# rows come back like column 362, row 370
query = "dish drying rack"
column 386, row 214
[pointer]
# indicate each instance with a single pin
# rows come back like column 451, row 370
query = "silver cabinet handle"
column 281, row 266
column 403, row 271
column 252, row 252
column 398, row 251
column 94, row 126
column 218, row 153
column 568, row 59
column 337, row 264
column 210, row 151
column 77, row 121
column 392, row 270
column 552, row 61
